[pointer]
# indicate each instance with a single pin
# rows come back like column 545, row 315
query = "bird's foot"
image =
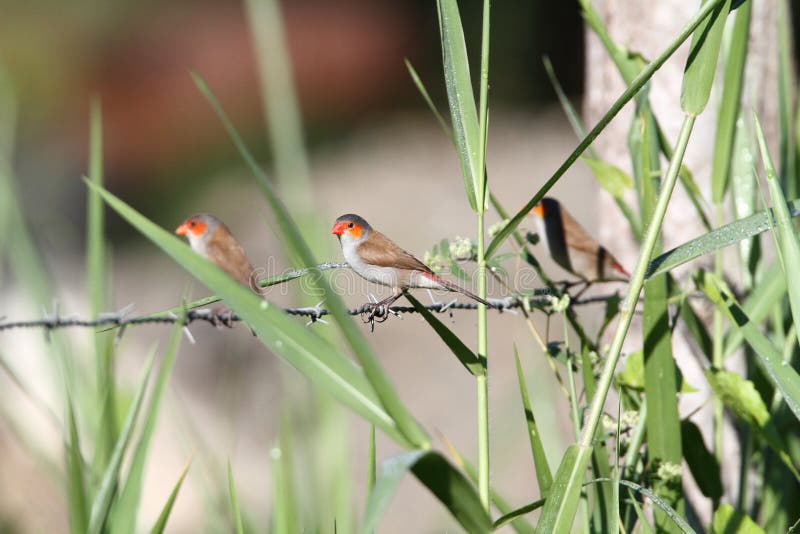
column 377, row 312
column 222, row 316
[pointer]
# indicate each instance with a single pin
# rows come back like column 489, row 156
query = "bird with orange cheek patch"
column 572, row 247
column 376, row 258
column 210, row 238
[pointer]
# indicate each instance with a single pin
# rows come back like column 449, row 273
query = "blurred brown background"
column 374, row 149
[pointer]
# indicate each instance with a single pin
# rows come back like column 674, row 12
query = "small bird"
column 376, row 258
column 571, row 246
column 210, row 238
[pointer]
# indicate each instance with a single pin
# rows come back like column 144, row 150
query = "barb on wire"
column 122, row 318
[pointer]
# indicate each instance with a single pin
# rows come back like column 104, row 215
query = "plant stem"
column 481, row 381
column 717, row 358
column 637, row 281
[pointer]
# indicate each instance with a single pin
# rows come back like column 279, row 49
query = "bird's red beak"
column 339, row 227
column 182, row 229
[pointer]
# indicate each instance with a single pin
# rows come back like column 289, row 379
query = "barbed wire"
column 122, row 318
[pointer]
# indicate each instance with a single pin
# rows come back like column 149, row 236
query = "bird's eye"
column 350, row 225
column 192, row 224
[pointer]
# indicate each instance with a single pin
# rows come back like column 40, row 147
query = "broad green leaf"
column 633, row 88
column 237, row 512
column 702, row 464
column 372, row 369
column 730, row 104
column 788, row 243
column 729, row 521
column 740, row 396
column 559, row 511
column 126, row 508
column 632, row 375
column 161, row 522
column 467, row 358
column 318, row 359
column 452, row 489
column 543, row 475
column 720, row 238
column 463, row 113
column 701, row 66
column 108, row 485
column 781, row 375
column 610, row 177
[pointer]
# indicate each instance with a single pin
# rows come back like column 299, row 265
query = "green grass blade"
column 701, row 66
column 730, row 103
column 378, row 379
column 429, row 101
column 448, row 484
column 161, row 522
column 97, row 284
column 788, row 242
column 284, row 516
column 758, row 305
column 123, row 517
column 319, row 360
column 677, row 520
column 76, row 484
column 702, row 464
column 237, row 512
column 544, row 476
column 372, row 464
column 631, row 91
column 562, row 501
column 782, row 376
column 743, row 198
column 786, row 94
column 101, row 505
column 464, row 115
column 468, row 359
column 722, row 237
column 519, row 512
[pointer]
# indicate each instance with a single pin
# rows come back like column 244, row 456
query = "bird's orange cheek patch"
column 356, row 231
column 538, row 210
column 198, row 228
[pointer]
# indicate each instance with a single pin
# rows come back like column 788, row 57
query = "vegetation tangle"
column 631, row 460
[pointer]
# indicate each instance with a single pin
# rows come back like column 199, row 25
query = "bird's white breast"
column 388, row 276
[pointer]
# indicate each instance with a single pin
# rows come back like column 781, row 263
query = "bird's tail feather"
column 453, row 287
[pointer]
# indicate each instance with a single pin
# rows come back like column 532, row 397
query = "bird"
column 376, row 258
column 210, row 238
column 571, row 246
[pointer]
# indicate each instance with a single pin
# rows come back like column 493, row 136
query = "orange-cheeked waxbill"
column 571, row 246
column 376, row 258
column 210, row 238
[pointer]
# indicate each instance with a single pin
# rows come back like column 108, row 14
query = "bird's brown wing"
column 228, row 254
column 379, row 250
column 575, row 235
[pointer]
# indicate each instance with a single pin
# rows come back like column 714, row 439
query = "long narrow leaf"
column 462, row 100
column 788, row 243
column 544, row 476
column 720, row 238
column 108, row 485
column 161, row 522
column 562, row 501
column 783, row 377
column 452, row 489
column 237, row 512
column 127, row 507
column 76, row 485
column 467, row 358
column 701, row 66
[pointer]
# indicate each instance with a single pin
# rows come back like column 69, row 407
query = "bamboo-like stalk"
column 637, row 281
